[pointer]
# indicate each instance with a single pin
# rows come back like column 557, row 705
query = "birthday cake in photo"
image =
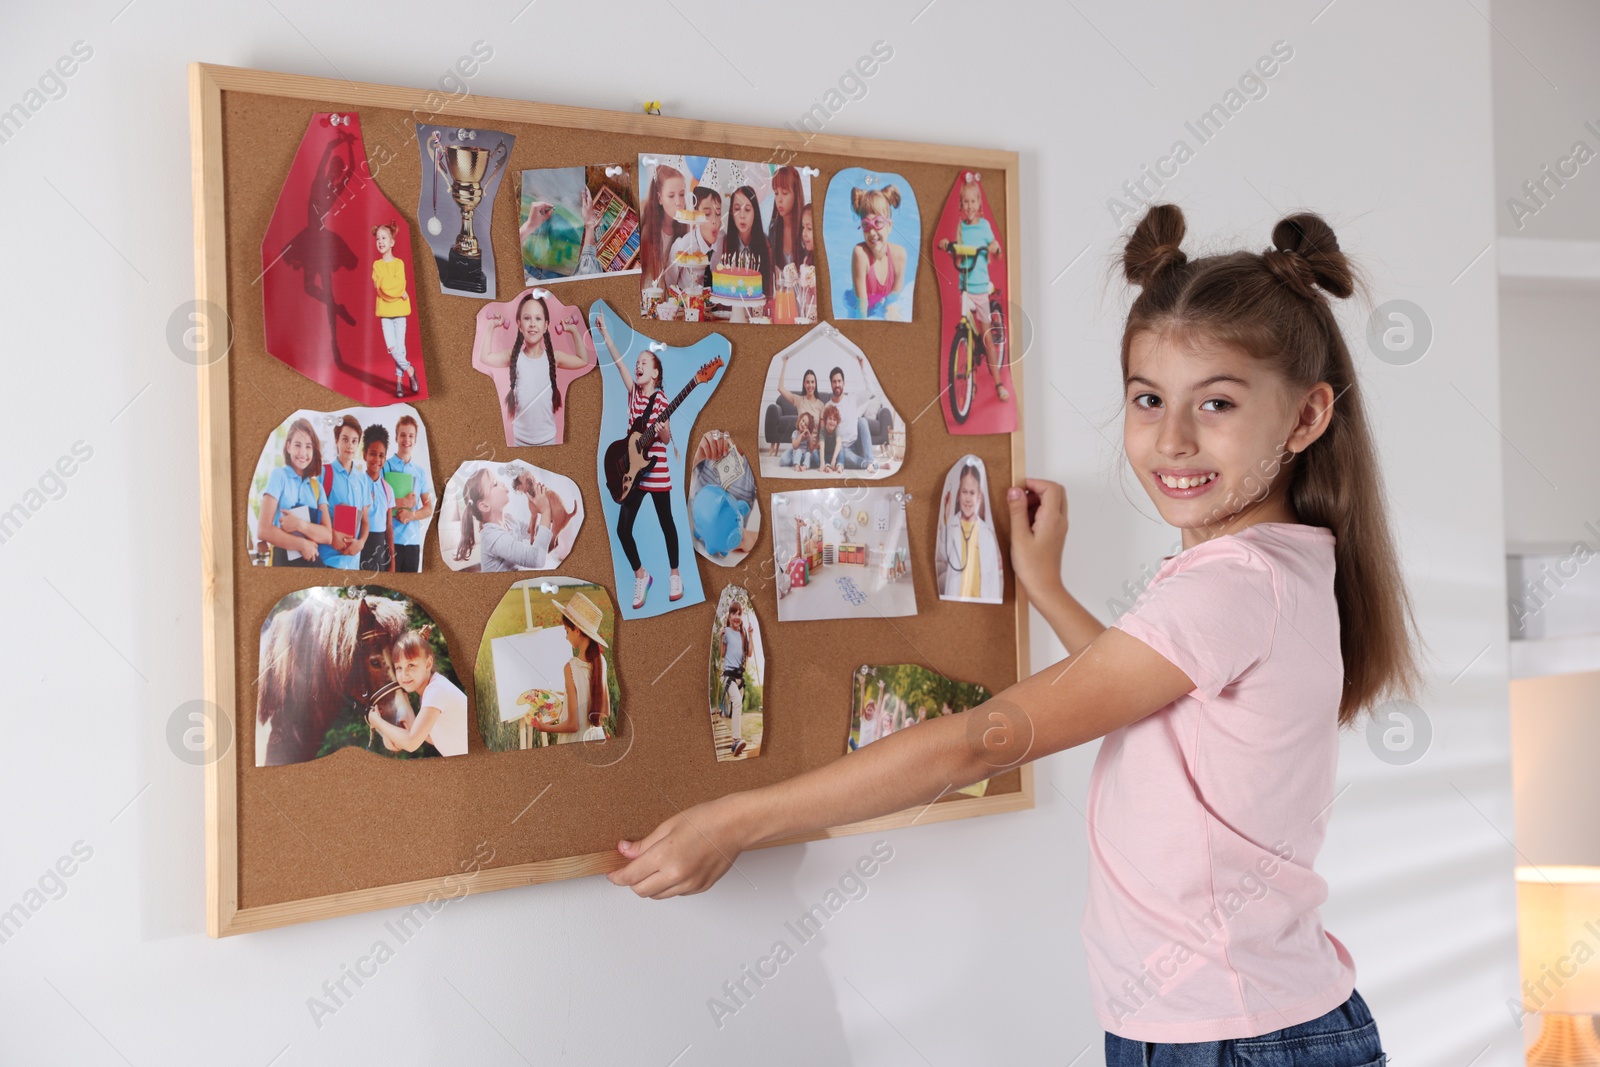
column 737, row 279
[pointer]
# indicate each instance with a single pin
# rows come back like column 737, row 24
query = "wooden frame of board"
column 219, row 548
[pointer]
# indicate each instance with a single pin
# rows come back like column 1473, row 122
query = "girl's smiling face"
column 301, row 449
column 1209, row 431
column 413, row 673
column 375, row 455
column 875, row 231
column 971, row 203
column 644, row 371
column 531, row 322
column 968, row 496
column 384, row 239
column 805, row 232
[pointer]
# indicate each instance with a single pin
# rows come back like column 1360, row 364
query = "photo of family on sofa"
column 823, row 413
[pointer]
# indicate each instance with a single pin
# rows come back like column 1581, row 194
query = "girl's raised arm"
column 1117, row 680
column 783, row 368
column 616, row 357
column 483, row 351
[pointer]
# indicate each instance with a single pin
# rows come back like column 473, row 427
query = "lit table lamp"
column 1558, row 928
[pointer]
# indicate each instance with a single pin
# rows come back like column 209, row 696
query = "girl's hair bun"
column 1306, row 257
column 1152, row 248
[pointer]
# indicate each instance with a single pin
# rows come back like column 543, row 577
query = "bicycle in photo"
column 972, row 342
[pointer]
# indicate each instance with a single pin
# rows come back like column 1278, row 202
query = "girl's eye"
column 1139, row 401
column 1226, row 404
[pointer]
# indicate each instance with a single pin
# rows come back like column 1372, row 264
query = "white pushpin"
column 612, row 172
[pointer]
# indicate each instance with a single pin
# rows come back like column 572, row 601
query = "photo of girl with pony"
column 546, row 672
column 873, row 234
column 354, row 666
column 328, row 487
column 726, row 240
column 532, row 347
column 508, row 516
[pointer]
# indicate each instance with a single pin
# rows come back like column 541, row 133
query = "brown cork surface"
column 354, row 821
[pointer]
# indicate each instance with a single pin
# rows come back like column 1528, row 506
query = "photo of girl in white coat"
column 966, row 558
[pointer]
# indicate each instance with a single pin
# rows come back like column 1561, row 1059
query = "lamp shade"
column 1558, row 929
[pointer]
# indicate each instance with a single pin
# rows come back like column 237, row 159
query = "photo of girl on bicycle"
column 974, row 353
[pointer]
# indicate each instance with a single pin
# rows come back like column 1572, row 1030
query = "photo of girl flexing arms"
column 532, row 397
column 1222, row 693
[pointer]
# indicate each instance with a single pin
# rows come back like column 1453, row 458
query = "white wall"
column 966, row 948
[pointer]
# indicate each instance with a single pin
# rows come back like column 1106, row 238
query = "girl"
column 1220, row 694
column 745, row 234
column 803, row 444
column 788, row 203
column 733, row 645
column 807, row 403
column 660, row 224
column 298, row 483
column 967, row 557
column 533, row 396
column 588, row 703
column 394, row 303
column 877, row 266
column 977, row 294
column 442, row 722
column 508, row 543
column 806, row 291
column 644, row 394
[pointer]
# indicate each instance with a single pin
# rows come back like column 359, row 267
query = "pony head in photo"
column 318, row 658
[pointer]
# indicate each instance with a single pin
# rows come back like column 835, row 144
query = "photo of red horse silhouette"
column 326, row 659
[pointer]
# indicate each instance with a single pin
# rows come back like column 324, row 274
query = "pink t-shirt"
column 1205, row 817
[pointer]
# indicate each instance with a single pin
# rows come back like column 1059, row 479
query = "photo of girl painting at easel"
column 546, row 674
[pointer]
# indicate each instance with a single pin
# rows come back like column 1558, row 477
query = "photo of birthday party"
column 726, row 240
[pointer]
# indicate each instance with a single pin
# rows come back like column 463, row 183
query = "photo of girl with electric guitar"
column 648, row 387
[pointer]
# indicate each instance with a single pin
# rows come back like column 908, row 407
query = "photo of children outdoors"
column 532, row 347
column 337, row 275
column 461, row 174
column 891, row 697
column 726, row 240
column 974, row 363
column 842, row 554
column 355, row 666
column 724, row 516
column 824, row 415
column 738, row 677
column 873, row 234
column 966, row 553
column 636, row 427
column 508, row 516
column 348, row 489
column 546, row 672
column 578, row 222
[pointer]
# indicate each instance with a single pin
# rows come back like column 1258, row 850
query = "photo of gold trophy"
column 467, row 168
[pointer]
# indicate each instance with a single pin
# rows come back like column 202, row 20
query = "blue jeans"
column 856, row 457
column 1345, row 1037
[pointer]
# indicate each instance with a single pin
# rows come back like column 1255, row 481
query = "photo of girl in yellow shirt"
column 394, row 303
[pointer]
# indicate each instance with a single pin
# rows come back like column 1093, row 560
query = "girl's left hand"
column 686, row 854
column 373, row 718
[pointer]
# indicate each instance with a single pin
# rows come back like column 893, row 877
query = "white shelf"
column 1544, row 266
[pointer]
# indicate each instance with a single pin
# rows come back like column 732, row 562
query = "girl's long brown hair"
column 597, row 681
column 1272, row 307
column 549, row 354
column 659, row 230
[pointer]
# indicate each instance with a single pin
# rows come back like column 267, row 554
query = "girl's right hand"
column 1036, row 547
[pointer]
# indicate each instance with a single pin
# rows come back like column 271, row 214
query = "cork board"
column 311, row 840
